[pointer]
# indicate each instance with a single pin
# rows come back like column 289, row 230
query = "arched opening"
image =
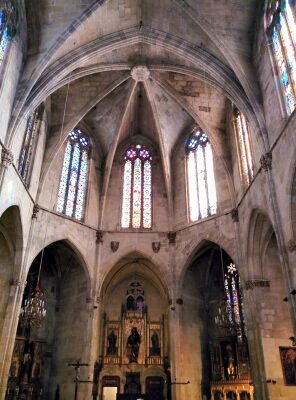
column 10, row 255
column 214, row 346
column 134, row 333
column 42, row 353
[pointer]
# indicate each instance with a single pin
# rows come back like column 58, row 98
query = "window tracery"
column 282, row 32
column 200, row 176
column 73, row 182
column 137, row 188
column 243, row 146
column 28, row 149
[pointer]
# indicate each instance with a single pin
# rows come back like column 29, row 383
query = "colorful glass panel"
column 233, row 298
column 73, row 182
column 29, row 147
column 200, row 176
column 64, row 178
column 192, row 187
column 3, row 35
column 137, row 193
column 147, row 195
column 137, row 188
column 283, row 34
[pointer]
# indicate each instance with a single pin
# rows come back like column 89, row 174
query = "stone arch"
column 259, row 233
column 193, row 251
column 74, row 248
column 65, row 330
column 134, row 258
column 11, row 246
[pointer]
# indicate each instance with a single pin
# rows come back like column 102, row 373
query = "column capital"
column 6, row 157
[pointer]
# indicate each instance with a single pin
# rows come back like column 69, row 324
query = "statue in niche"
column 155, row 349
column 230, row 361
column 112, row 339
column 133, row 345
column 140, row 304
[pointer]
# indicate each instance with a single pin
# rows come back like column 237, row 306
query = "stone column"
column 6, row 161
column 9, row 332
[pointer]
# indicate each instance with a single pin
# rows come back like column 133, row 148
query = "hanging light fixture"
column 33, row 311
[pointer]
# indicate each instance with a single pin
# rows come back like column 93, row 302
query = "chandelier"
column 33, row 311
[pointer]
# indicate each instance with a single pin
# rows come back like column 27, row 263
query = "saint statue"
column 112, row 339
column 230, row 361
column 133, row 345
column 155, row 349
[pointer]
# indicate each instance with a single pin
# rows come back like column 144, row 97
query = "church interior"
column 147, row 200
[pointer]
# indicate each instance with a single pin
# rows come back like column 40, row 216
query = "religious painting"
column 288, row 359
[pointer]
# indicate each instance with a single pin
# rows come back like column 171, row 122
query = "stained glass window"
column 243, row 146
column 137, row 191
column 282, row 31
column 29, row 145
column 73, row 182
column 200, row 176
column 3, row 34
column 234, row 300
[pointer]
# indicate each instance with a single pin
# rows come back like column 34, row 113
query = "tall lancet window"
column 243, row 147
column 234, row 301
column 73, row 183
column 29, row 144
column 137, row 190
column 282, row 32
column 3, row 34
column 200, row 176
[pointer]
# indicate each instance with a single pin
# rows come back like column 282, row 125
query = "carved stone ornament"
column 234, row 215
column 114, row 246
column 291, row 245
column 156, row 246
column 172, row 237
column 266, row 161
column 99, row 236
column 6, row 157
column 36, row 210
column 140, row 73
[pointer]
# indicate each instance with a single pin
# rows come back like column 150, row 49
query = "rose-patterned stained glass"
column 200, row 176
column 29, row 145
column 282, row 30
column 233, row 298
column 73, row 182
column 137, row 188
column 244, row 148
